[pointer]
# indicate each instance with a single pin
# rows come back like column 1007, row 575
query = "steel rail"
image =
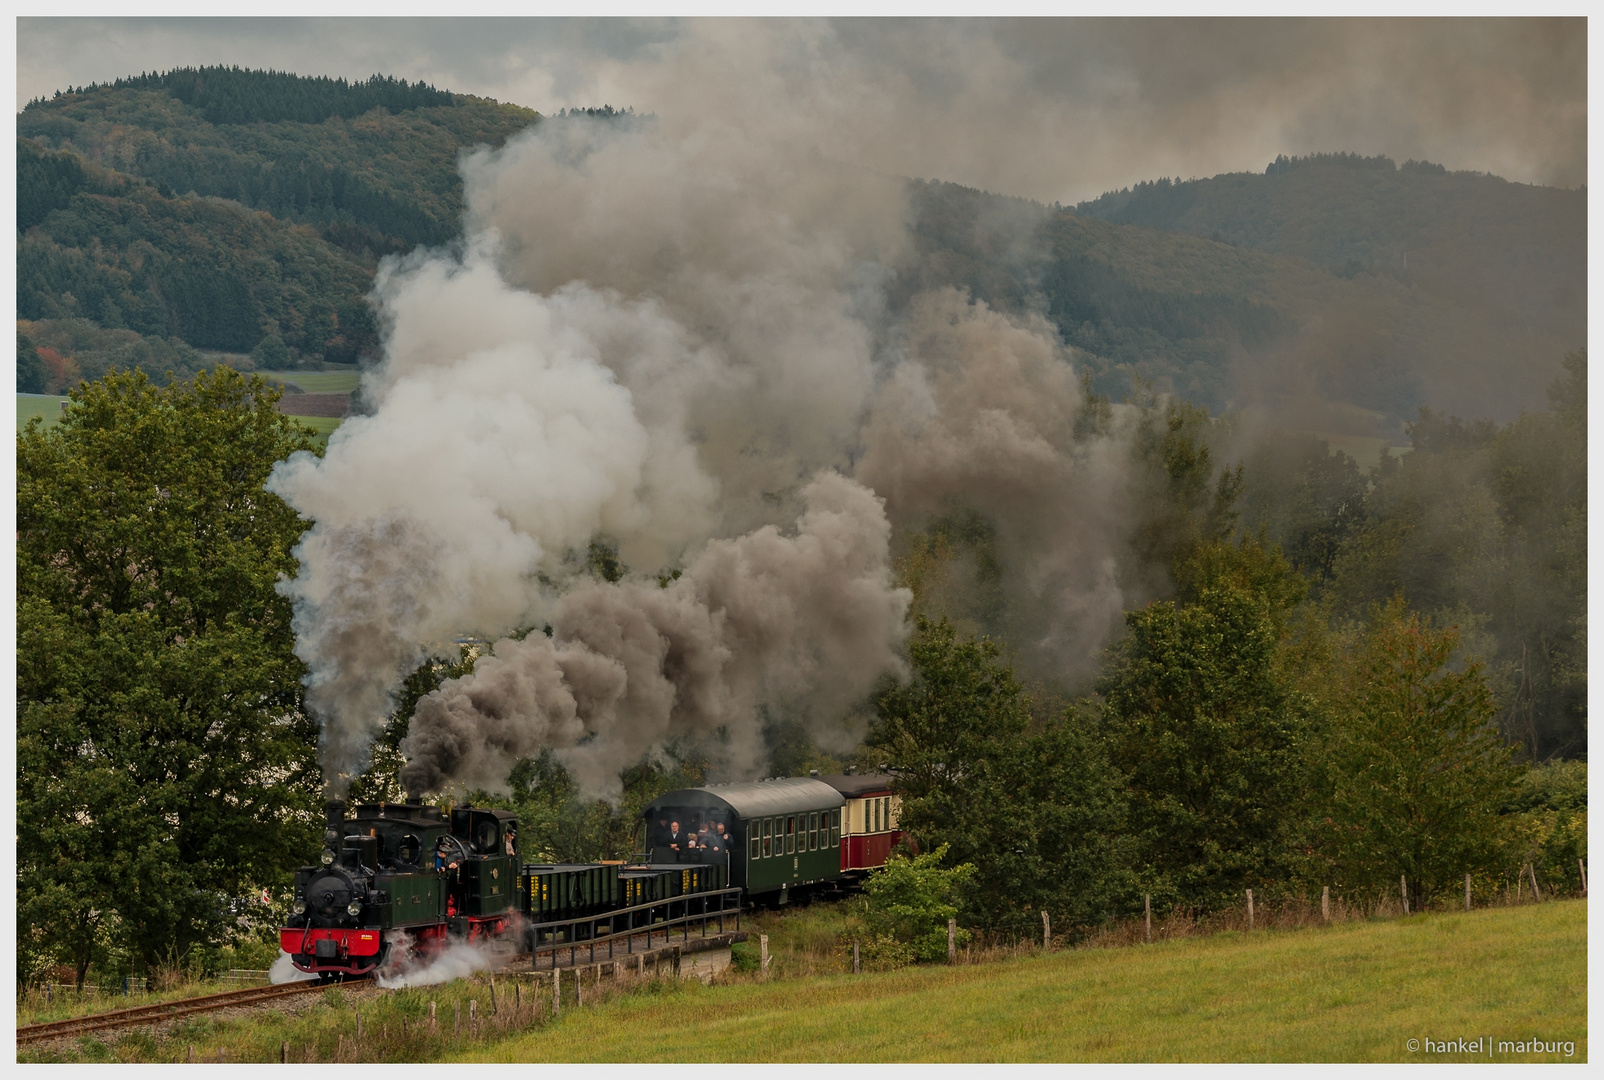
column 167, row 1010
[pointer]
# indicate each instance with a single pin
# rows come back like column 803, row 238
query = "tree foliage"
column 1206, row 729
column 1418, row 773
column 910, row 899
column 164, row 765
column 1030, row 803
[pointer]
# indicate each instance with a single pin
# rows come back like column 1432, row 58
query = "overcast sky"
column 1049, row 109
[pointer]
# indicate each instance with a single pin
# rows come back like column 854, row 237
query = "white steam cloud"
column 805, row 623
column 683, row 341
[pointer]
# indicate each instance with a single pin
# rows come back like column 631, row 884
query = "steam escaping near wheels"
column 284, row 971
column 457, row 960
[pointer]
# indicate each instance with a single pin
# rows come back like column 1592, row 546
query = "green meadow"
column 1356, row 991
column 45, row 406
column 318, row 382
column 1349, row 992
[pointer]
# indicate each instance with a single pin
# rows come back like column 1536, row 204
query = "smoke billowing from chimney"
column 677, row 339
column 804, row 623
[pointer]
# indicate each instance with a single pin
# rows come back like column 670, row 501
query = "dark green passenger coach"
column 775, row 836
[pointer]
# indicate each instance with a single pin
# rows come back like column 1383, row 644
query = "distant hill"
column 236, row 210
column 1478, row 285
column 1289, row 292
column 222, row 207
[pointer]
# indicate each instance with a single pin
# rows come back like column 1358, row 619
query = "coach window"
column 757, row 840
column 790, row 835
column 768, row 829
column 835, row 828
column 813, row 832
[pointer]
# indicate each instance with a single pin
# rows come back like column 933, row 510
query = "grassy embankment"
column 1355, row 991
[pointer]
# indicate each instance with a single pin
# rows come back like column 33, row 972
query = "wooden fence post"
column 359, row 1027
column 1403, row 891
column 1250, row 909
column 493, row 997
column 1325, row 903
column 1537, row 894
column 556, row 993
column 1582, row 866
column 456, row 1017
column 284, row 1054
column 1046, row 931
column 855, row 967
column 473, row 1016
column 517, row 997
column 1147, row 916
column 763, row 955
column 189, row 1058
column 1467, row 892
column 434, row 1024
column 952, row 941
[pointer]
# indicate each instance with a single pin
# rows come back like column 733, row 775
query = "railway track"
column 168, row 1010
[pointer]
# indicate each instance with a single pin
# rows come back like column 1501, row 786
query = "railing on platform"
column 623, row 925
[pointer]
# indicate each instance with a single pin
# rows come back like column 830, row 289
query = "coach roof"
column 857, row 785
column 754, row 798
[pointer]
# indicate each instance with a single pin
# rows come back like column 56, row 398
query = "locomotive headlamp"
column 328, row 856
column 355, row 908
column 300, row 907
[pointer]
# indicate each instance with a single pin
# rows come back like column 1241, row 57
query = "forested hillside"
column 1341, row 293
column 221, row 207
column 1469, row 280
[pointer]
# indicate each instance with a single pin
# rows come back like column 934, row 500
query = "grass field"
column 32, row 405
column 318, row 382
column 1351, row 992
column 323, row 425
column 1357, row 991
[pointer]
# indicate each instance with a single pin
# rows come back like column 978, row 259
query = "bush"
column 745, row 957
column 271, row 353
column 909, row 901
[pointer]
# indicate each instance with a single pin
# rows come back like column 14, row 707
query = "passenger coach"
column 778, row 837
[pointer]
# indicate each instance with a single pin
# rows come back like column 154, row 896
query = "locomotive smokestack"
column 334, row 813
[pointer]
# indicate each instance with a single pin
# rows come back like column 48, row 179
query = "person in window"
column 445, row 856
column 676, row 839
column 512, row 841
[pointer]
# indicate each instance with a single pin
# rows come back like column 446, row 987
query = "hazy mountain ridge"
column 1285, row 292
column 1493, row 274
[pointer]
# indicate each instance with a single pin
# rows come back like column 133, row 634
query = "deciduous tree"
column 164, row 764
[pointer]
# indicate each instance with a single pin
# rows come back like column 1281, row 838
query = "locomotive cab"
column 485, row 880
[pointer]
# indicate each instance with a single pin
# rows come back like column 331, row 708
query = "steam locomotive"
column 403, row 879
